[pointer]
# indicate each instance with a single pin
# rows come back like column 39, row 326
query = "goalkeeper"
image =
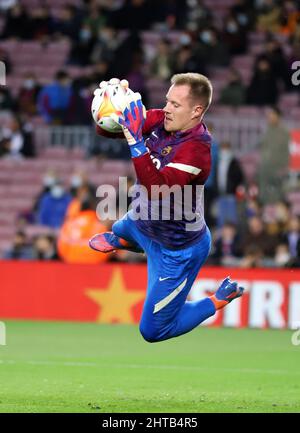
column 175, row 154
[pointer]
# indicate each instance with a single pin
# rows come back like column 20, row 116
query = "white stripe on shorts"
column 161, row 304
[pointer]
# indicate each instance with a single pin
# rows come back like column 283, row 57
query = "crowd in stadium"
column 253, row 224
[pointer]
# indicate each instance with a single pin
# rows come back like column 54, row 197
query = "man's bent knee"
column 149, row 334
column 117, row 228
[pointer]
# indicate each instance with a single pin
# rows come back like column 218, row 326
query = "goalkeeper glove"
column 131, row 121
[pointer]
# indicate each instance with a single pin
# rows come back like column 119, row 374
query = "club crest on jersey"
column 166, row 150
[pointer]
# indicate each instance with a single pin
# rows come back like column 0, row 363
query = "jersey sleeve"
column 153, row 119
column 190, row 162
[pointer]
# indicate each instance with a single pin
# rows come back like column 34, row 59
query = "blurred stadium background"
column 52, row 162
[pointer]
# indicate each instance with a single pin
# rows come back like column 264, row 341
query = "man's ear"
column 197, row 112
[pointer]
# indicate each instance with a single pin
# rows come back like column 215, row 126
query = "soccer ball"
column 108, row 100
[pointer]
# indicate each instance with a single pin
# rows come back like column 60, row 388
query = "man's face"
column 272, row 117
column 181, row 112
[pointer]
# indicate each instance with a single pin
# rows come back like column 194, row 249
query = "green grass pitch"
column 84, row 367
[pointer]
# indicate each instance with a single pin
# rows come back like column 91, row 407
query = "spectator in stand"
column 54, row 99
column 229, row 177
column 49, row 180
column 125, row 49
column 279, row 65
column 105, row 45
column 81, row 194
column 17, row 23
column 77, row 229
column 81, row 100
column 68, row 23
column 290, row 17
column 44, row 248
column 226, row 250
column 21, row 248
column 198, row 15
column 41, row 23
column 282, row 214
column 211, row 49
column 252, row 207
column 291, row 238
column 282, row 258
column 234, row 92
column 28, row 95
column 80, row 179
column 168, row 15
column 95, row 19
column 82, row 49
column 17, row 140
column 243, row 12
column 252, row 257
column 235, row 36
column 6, row 100
column 268, row 16
column 53, row 206
column 263, row 88
column 187, row 60
column 162, row 65
column 274, row 161
column 257, row 241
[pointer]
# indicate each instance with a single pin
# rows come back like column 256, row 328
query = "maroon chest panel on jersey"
column 162, row 148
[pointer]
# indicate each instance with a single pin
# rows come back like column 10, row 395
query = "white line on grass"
column 145, row 366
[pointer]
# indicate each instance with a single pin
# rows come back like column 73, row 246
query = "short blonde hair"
column 200, row 85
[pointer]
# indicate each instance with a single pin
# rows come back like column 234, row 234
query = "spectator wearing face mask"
column 53, row 206
column 79, row 179
column 49, row 180
column 82, row 49
column 235, row 36
column 28, row 94
column 211, row 49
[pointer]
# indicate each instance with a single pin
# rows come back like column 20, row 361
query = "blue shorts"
column 171, row 274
